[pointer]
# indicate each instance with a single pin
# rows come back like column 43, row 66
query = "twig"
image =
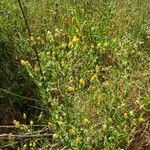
column 143, row 135
column 37, row 107
column 23, row 97
column 18, row 136
column 10, row 144
column 12, row 126
column 50, row 146
column 131, row 140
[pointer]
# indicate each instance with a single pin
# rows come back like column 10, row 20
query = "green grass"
column 95, row 61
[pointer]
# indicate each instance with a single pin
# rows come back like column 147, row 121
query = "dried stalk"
column 18, row 136
column 12, row 126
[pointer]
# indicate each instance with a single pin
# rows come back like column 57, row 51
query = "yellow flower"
column 38, row 38
column 49, row 125
column 97, row 69
column 24, row 62
column 30, row 144
column 17, row 124
column 24, row 146
column 78, row 140
column 75, row 39
column 104, row 127
column 72, row 131
column 125, row 115
column 70, row 44
column 32, row 38
column 49, row 36
column 131, row 113
column 86, row 121
column 33, row 42
column 70, row 89
column 21, row 128
column 93, row 77
column 106, row 83
column 55, row 136
column 34, row 144
column 63, row 45
column 25, row 127
column 60, row 123
column 125, row 62
column 81, row 81
column 141, row 120
column 99, row 45
column 24, row 116
column 105, row 44
column 31, row 123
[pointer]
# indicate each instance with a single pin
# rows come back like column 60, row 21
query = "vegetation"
column 76, row 75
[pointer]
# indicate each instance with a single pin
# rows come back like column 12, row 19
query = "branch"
column 12, row 126
column 18, row 136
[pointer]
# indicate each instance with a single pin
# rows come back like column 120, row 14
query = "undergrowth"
column 89, row 89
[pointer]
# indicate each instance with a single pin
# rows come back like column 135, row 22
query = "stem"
column 33, row 47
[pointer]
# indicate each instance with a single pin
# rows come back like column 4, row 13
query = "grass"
column 93, row 92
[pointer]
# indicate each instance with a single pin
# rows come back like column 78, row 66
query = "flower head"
column 55, row 136
column 105, row 44
column 25, row 127
column 86, row 121
column 38, row 38
column 141, row 120
column 75, row 39
column 81, row 81
column 97, row 69
column 70, row 89
column 17, row 124
column 61, row 123
column 24, row 146
column 31, row 123
column 49, row 125
column 131, row 113
column 49, row 36
column 24, row 116
column 32, row 38
column 106, row 83
column 78, row 140
column 93, row 78
column 72, row 131
column 24, row 63
column 63, row 45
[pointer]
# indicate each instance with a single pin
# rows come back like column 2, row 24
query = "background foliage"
column 93, row 92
